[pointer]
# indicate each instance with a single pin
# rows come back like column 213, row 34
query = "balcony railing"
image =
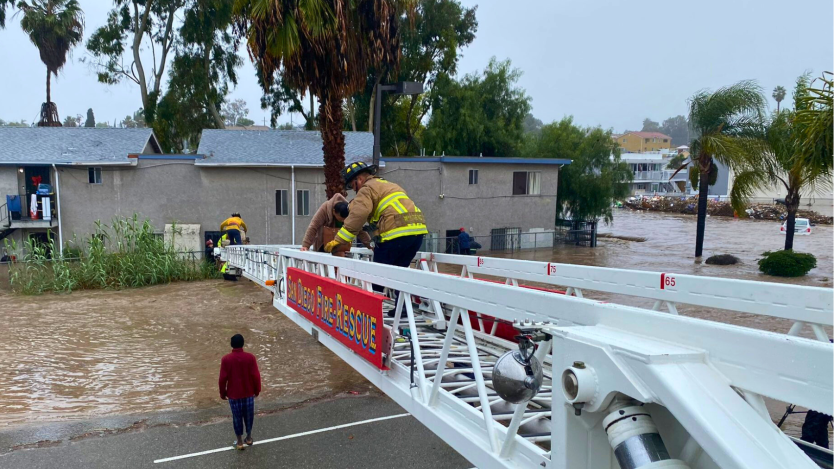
column 17, row 214
column 658, row 176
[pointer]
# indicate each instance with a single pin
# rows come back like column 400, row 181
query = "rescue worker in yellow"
column 398, row 224
column 232, row 227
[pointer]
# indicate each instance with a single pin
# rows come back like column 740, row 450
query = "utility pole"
column 403, row 87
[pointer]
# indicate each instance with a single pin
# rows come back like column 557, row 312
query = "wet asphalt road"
column 399, row 442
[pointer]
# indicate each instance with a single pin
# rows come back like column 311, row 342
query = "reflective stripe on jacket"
column 385, row 205
column 233, row 223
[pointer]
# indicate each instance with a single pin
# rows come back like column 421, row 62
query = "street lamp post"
column 403, row 87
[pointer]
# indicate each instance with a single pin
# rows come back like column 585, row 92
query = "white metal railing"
column 805, row 306
column 686, row 371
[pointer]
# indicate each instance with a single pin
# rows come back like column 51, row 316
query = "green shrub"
column 126, row 254
column 787, row 263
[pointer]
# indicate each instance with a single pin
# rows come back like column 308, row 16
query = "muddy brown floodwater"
column 154, row 349
column 96, row 353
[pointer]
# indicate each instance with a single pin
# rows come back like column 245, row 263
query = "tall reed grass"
column 126, row 254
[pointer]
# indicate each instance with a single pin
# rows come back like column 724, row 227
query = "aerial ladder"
column 601, row 385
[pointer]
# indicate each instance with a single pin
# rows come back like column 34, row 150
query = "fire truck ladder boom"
column 623, row 386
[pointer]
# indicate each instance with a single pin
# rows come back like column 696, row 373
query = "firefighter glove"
column 329, row 247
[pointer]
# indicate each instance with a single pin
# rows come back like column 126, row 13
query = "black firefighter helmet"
column 354, row 169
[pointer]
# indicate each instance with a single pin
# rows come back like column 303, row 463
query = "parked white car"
column 802, row 227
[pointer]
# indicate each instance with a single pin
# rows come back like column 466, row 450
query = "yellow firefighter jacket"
column 385, row 205
column 233, row 223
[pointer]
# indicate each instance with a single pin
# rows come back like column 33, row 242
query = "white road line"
column 287, row 437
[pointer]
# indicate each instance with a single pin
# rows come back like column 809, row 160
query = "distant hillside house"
column 639, row 142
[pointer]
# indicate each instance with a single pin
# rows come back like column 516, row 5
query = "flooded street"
column 98, row 353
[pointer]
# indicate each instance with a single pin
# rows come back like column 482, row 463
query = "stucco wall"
column 8, row 182
column 167, row 191
column 479, row 207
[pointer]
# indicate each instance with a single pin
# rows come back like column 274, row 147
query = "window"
column 665, row 140
column 302, row 201
column 526, row 183
column 281, row 202
column 94, row 175
column 647, row 140
column 654, row 140
column 473, row 176
column 624, row 140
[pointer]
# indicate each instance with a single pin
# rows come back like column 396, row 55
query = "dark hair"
column 236, row 215
column 342, row 208
column 237, row 341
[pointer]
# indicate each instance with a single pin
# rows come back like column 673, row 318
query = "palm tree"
column 784, row 160
column 326, row 46
column 815, row 119
column 724, row 122
column 3, row 5
column 778, row 95
column 54, row 27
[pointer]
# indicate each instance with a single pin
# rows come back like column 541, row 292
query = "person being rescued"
column 231, row 227
column 331, row 214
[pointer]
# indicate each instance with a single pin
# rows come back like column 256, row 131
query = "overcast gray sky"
column 606, row 62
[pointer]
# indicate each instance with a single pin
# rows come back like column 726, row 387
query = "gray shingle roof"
column 276, row 147
column 70, row 144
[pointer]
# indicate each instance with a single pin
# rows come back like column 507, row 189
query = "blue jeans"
column 243, row 412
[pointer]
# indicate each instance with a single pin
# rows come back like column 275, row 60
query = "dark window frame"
column 521, row 182
column 281, row 203
column 94, row 175
column 473, row 180
column 302, row 204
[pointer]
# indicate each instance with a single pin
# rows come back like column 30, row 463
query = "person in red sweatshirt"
column 240, row 383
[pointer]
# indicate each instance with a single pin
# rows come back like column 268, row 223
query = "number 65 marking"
column 666, row 281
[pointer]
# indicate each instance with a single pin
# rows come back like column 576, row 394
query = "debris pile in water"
column 715, row 208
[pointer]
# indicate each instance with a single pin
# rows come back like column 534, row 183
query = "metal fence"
column 577, row 232
column 508, row 241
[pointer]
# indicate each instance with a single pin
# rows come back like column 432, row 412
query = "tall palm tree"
column 326, row 46
column 815, row 119
column 778, row 95
column 54, row 27
column 724, row 122
column 780, row 163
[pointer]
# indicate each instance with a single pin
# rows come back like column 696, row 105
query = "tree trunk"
column 48, row 88
column 330, row 121
column 352, row 108
column 703, row 192
column 792, row 204
column 215, row 114
column 777, row 107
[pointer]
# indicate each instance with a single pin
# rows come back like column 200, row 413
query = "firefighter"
column 396, row 221
column 232, row 227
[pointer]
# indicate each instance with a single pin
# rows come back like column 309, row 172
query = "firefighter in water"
column 397, row 223
column 232, row 227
